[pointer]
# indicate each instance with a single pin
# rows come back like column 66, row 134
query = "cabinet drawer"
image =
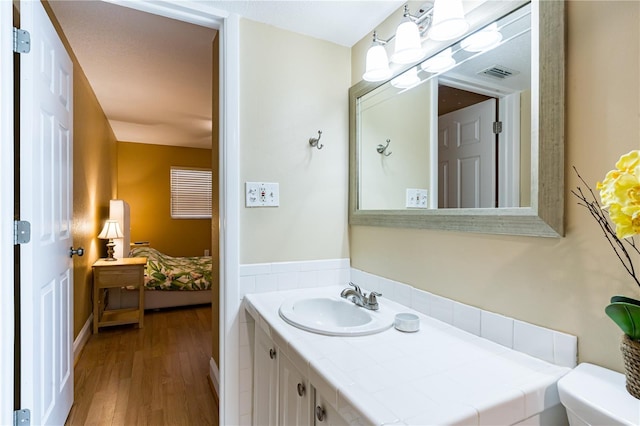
column 124, row 276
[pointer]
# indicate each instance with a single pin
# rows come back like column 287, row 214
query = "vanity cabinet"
column 282, row 394
column 265, row 380
column 294, row 404
column 324, row 413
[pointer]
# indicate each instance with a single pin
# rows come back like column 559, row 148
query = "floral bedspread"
column 164, row 272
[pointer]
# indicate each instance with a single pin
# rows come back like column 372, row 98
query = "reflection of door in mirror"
column 466, row 149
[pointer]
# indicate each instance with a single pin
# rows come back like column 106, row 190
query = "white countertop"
column 438, row 375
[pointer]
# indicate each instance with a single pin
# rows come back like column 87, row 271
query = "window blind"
column 190, row 193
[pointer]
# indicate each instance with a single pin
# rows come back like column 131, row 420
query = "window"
column 190, row 193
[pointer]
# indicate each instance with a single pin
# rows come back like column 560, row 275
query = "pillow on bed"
column 164, row 272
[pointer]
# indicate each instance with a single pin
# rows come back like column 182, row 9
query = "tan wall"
column 94, row 166
column 562, row 283
column 94, row 182
column 291, row 86
column 144, row 183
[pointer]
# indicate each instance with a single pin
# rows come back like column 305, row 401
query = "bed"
column 169, row 281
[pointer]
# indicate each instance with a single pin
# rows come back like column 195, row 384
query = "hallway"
column 157, row 375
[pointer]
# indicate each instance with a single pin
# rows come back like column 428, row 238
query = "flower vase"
column 631, row 356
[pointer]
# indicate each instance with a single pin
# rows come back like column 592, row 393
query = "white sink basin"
column 333, row 316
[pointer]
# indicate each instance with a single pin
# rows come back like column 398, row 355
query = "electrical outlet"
column 262, row 194
column 416, row 198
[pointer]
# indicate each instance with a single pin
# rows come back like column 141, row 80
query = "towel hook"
column 316, row 141
column 382, row 149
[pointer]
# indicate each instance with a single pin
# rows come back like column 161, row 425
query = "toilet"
column 596, row 396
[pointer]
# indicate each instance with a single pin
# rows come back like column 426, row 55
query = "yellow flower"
column 620, row 194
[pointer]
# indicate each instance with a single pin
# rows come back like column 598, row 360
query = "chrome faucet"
column 356, row 295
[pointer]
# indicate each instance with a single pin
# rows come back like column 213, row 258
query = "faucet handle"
column 356, row 287
column 372, row 300
column 372, row 297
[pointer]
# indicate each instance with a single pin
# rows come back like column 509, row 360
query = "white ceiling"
column 152, row 75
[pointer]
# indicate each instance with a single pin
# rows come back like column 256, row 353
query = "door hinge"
column 497, row 127
column 21, row 41
column 22, row 418
column 21, row 232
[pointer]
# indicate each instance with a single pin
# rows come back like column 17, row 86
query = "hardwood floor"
column 157, row 375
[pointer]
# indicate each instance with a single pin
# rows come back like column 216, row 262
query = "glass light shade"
column 407, row 79
column 377, row 64
column 483, row 40
column 111, row 230
column 408, row 44
column 440, row 62
column 448, row 20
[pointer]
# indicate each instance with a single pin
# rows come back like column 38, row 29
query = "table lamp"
column 110, row 231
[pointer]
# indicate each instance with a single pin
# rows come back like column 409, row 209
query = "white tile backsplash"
column 466, row 318
column 550, row 345
column 533, row 340
column 497, row 328
column 442, row 309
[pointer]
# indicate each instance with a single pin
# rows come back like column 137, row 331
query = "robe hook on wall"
column 382, row 149
column 316, row 141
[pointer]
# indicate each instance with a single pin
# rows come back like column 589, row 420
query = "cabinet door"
column 324, row 414
column 293, row 393
column 265, row 380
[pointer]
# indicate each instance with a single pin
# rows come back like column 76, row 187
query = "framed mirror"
column 474, row 145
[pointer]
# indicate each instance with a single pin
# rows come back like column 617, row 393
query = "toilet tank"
column 594, row 395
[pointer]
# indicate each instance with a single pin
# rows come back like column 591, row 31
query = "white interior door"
column 46, row 199
column 466, row 157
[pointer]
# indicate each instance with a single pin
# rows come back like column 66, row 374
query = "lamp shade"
column 407, row 79
column 448, row 20
column 483, row 40
column 111, row 230
column 440, row 62
column 408, row 44
column 377, row 64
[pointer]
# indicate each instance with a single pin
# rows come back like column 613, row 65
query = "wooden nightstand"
column 126, row 272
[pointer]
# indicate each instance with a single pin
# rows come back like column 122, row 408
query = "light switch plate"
column 262, row 194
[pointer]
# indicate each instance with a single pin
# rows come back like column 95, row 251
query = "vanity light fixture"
column 377, row 65
column 407, row 79
column 485, row 39
column 447, row 14
column 408, row 47
column 448, row 20
column 440, row 62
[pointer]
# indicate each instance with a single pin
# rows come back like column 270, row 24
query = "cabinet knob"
column 320, row 414
column 272, row 353
column 301, row 389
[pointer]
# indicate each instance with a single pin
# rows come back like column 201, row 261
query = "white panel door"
column 46, row 199
column 466, row 157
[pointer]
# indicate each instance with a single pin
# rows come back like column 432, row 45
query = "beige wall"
column 291, row 86
column 144, row 183
column 562, row 283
